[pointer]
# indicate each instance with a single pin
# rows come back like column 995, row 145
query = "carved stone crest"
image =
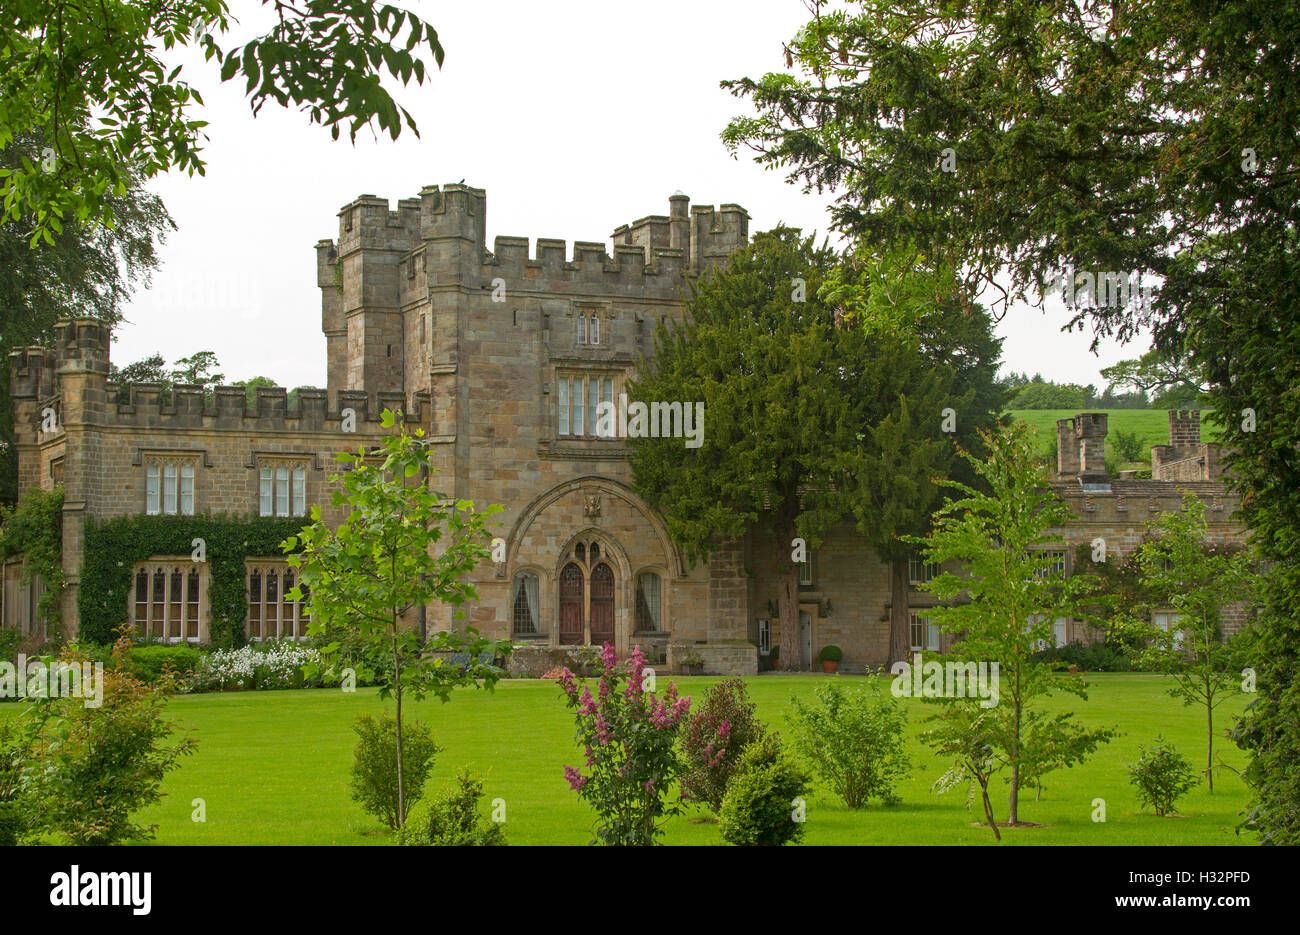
column 591, row 505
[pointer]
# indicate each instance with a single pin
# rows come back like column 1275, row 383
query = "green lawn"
column 1150, row 425
column 273, row 768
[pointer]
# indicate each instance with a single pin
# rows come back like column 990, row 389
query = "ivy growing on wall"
column 33, row 530
column 113, row 547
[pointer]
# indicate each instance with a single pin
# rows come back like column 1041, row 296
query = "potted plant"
column 692, row 663
column 830, row 657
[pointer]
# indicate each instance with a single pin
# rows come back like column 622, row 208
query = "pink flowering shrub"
column 629, row 740
column 724, row 724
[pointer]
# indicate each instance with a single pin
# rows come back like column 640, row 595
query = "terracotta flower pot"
column 1074, row 670
column 829, row 666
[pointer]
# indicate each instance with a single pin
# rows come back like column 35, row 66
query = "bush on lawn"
column 93, row 767
column 453, row 819
column 629, row 736
column 149, row 661
column 374, row 770
column 720, row 729
column 854, row 739
column 759, row 805
column 1162, row 775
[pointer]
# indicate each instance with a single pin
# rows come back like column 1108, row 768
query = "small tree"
column 854, row 739
column 1161, row 775
column 759, row 806
column 629, row 735
column 401, row 546
column 723, row 725
column 1193, row 578
column 92, row 768
column 374, row 768
column 1013, row 596
column 453, row 819
column 965, row 734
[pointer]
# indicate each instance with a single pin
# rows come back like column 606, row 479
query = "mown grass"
column 273, row 768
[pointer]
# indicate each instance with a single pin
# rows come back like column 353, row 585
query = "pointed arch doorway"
column 602, row 605
column 571, row 601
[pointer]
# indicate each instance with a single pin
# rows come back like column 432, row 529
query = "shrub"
column 629, row 736
column 266, row 666
column 374, row 771
column 17, row 736
column 148, row 662
column 1095, row 657
column 93, row 767
column 854, row 739
column 759, row 806
column 831, row 654
column 720, row 729
column 1162, row 775
column 453, row 819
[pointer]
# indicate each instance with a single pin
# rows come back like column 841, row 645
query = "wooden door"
column 571, row 605
column 602, row 605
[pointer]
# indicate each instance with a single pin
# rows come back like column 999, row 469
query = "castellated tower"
column 516, row 345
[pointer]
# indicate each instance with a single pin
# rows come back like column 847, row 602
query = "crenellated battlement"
column 226, row 407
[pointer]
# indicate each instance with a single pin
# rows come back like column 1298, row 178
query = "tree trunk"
column 397, row 689
column 1209, row 747
column 988, row 810
column 788, row 604
column 900, row 625
column 1013, row 813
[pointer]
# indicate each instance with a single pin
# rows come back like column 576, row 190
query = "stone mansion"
column 501, row 356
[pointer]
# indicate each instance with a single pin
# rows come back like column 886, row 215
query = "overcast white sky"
column 576, row 116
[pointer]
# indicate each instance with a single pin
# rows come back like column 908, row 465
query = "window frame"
column 917, row 617
column 296, row 613
column 159, row 610
column 282, row 486
column 170, row 485
column 579, row 392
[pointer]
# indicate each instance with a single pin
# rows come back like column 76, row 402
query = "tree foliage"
column 824, row 406
column 92, row 79
column 1009, row 598
column 1185, row 573
column 400, row 546
column 1154, row 137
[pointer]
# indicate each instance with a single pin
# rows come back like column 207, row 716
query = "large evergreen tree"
column 813, row 418
column 1023, row 139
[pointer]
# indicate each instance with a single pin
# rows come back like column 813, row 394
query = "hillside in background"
column 1150, row 425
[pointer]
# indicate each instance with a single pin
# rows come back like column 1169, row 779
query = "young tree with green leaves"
column 1002, row 606
column 1153, row 138
column 93, row 80
column 400, row 547
column 1194, row 578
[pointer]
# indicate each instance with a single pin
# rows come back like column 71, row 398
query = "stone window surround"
column 161, row 460
column 292, row 462
column 568, row 369
column 296, row 611
column 169, row 564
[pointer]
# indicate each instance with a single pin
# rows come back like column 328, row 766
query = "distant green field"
column 1151, row 425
